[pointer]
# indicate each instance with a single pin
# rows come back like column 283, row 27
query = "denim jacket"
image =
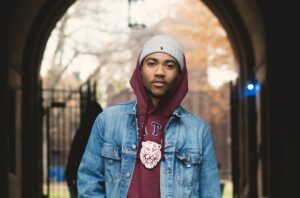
column 188, row 170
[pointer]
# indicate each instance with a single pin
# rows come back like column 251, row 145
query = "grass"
column 58, row 190
column 60, row 195
column 227, row 192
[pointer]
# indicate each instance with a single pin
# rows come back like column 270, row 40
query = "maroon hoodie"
column 145, row 182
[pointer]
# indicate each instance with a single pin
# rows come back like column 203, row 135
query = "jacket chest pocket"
column 187, row 167
column 112, row 156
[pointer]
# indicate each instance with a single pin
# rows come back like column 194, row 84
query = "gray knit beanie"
column 163, row 43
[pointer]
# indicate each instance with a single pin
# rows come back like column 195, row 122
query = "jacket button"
column 110, row 161
column 127, row 174
column 133, row 147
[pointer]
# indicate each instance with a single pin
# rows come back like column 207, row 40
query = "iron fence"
column 63, row 111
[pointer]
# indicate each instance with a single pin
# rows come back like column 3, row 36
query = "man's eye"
column 150, row 63
column 170, row 66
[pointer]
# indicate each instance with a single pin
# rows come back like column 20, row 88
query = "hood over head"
column 147, row 113
column 169, row 45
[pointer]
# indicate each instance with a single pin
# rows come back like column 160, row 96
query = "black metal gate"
column 63, row 111
column 60, row 121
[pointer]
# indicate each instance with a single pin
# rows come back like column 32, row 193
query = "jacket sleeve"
column 209, row 174
column 90, row 176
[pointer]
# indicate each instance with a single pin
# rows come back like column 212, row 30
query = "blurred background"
column 63, row 62
column 96, row 43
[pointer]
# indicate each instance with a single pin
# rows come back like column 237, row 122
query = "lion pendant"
column 150, row 154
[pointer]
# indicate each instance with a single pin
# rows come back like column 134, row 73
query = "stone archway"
column 45, row 21
column 246, row 33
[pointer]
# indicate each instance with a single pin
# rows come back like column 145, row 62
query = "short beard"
column 149, row 93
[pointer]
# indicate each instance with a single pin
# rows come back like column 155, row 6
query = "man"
column 151, row 147
column 79, row 142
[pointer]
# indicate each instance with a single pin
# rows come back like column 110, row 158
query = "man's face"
column 159, row 74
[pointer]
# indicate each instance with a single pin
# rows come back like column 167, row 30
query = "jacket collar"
column 179, row 111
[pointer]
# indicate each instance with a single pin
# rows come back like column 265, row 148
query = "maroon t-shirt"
column 146, row 182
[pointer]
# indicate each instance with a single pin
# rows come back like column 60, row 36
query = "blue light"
column 252, row 88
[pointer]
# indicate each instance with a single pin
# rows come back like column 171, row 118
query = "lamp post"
column 135, row 16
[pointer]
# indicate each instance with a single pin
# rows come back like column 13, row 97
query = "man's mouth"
column 159, row 83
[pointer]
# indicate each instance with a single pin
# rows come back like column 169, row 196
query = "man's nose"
column 159, row 70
